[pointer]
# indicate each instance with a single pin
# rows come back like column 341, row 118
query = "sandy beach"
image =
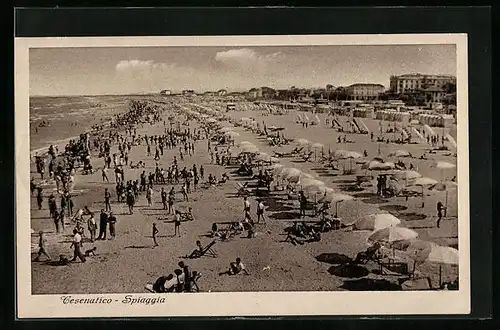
column 128, row 262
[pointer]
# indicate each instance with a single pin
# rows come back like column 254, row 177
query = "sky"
column 118, row 70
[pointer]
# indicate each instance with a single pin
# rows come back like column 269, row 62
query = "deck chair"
column 308, row 156
column 206, row 251
column 242, row 189
column 370, row 254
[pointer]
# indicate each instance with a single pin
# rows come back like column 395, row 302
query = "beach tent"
column 317, row 120
column 451, row 140
column 429, row 130
column 417, row 133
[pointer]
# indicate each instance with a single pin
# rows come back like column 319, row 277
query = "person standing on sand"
column 177, row 223
column 77, row 245
column 202, row 172
column 92, row 227
column 104, row 175
column 164, row 198
column 171, row 198
column 130, row 201
column 42, row 244
column 440, row 209
column 103, row 224
column 112, row 224
column 260, row 212
column 107, row 199
column 155, row 232
column 149, row 196
column 39, row 197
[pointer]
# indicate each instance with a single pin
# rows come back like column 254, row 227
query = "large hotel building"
column 417, row 82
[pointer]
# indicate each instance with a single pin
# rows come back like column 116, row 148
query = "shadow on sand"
column 285, row 215
column 347, row 270
column 375, row 200
column 394, row 208
column 334, row 258
column 368, row 284
column 411, row 216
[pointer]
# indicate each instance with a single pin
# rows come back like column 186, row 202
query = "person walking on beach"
column 260, row 212
column 92, row 227
column 246, row 209
column 52, row 205
column 70, row 205
column 303, row 203
column 112, row 224
column 107, row 199
column 149, row 196
column 130, row 202
column 77, row 245
column 440, row 209
column 184, row 192
column 104, row 172
column 171, row 198
column 164, row 198
column 39, row 197
column 177, row 223
column 155, row 232
column 42, row 245
column 103, row 224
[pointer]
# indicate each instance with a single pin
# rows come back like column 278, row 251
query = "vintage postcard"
column 242, row 176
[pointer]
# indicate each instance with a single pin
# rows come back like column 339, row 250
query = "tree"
column 329, row 87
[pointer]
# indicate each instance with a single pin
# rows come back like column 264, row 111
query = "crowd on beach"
column 173, row 179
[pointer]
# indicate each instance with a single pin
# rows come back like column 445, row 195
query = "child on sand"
column 155, row 232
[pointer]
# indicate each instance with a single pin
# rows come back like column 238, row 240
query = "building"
column 166, row 92
column 188, row 92
column 222, row 92
column 364, row 92
column 417, row 82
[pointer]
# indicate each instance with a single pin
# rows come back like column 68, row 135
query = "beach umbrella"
column 289, row 172
column 334, row 197
column 274, row 160
column 376, row 221
column 263, row 157
column 302, row 142
column 378, row 166
column 296, row 177
column 414, row 122
column 444, row 165
column 445, row 186
column 277, row 168
column 231, row 134
column 423, row 251
column 249, row 149
column 243, row 143
column 407, row 175
column 390, row 235
column 422, row 182
column 400, row 153
column 226, row 129
column 340, row 154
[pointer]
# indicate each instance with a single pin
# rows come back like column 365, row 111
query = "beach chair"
column 308, row 156
column 206, row 251
column 370, row 254
column 242, row 189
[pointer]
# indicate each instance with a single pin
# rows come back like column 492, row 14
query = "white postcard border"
column 248, row 303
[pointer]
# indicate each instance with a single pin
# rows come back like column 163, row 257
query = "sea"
column 56, row 120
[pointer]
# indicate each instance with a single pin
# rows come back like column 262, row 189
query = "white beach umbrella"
column 378, row 166
column 400, row 153
column 317, row 145
column 243, row 143
column 226, row 129
column 231, row 134
column 445, row 186
column 444, row 165
column 302, row 142
column 392, row 234
column 250, row 149
column 289, row 172
column 423, row 251
column 334, row 197
column 376, row 221
column 422, row 182
column 340, row 154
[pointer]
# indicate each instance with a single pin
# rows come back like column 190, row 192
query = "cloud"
column 245, row 57
column 139, row 65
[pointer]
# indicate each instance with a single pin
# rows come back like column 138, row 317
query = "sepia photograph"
column 168, row 169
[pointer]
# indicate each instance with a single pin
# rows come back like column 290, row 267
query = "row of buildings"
column 414, row 89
